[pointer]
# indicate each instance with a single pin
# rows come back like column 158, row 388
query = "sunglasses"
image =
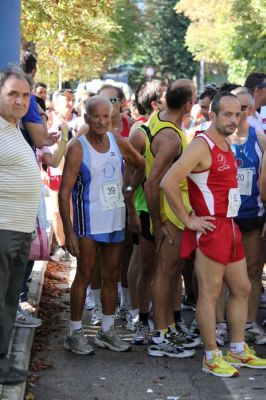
column 113, row 100
column 262, row 85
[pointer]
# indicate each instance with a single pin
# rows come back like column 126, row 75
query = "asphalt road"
column 134, row 375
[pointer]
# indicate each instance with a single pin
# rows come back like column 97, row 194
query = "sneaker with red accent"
column 246, row 358
column 218, row 366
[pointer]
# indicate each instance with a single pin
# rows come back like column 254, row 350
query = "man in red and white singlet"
column 209, row 165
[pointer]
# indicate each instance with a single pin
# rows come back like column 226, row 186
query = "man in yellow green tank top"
column 165, row 143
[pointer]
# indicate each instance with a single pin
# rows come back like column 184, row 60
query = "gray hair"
column 14, row 70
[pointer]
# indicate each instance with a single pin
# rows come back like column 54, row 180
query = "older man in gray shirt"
column 20, row 185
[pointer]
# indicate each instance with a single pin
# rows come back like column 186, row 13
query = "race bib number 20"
column 244, row 180
column 111, row 196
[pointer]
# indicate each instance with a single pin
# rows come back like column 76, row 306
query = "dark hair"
column 63, row 91
column 27, row 61
column 228, row 87
column 40, row 84
column 254, row 79
column 177, row 96
column 14, row 70
column 148, row 92
column 120, row 93
column 210, row 93
column 215, row 104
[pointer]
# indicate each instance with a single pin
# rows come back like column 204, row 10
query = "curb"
column 22, row 338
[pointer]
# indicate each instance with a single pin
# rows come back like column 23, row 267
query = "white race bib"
column 111, row 195
column 234, row 202
column 244, row 180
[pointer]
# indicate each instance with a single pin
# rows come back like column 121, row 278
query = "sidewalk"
column 22, row 338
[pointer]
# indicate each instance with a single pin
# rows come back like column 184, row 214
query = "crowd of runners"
column 160, row 200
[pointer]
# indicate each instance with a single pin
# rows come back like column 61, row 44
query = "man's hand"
column 51, row 138
column 72, row 244
column 201, row 224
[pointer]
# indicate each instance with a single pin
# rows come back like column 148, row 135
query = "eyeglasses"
column 113, row 100
column 244, row 107
column 262, row 85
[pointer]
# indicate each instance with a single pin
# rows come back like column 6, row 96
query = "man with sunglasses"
column 120, row 123
column 248, row 146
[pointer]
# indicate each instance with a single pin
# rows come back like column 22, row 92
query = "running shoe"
column 188, row 303
column 60, row 255
column 96, row 316
column 263, row 300
column 25, row 320
column 218, row 366
column 131, row 323
column 255, row 333
column 142, row 335
column 121, row 313
column 77, row 343
column 111, row 340
column 169, row 348
column 181, row 339
column 89, row 302
column 221, row 333
column 246, row 358
column 182, row 326
column 194, row 328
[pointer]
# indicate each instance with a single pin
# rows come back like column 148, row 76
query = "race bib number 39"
column 234, row 202
column 244, row 180
column 111, row 196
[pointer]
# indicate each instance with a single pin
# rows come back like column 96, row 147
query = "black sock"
column 143, row 317
column 177, row 316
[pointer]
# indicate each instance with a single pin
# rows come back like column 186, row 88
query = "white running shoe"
column 255, row 333
column 131, row 324
column 77, row 343
column 221, row 333
column 143, row 334
column 111, row 340
column 26, row 320
column 96, row 316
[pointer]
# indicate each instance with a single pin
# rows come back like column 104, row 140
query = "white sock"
column 97, row 297
column 125, row 298
column 209, row 354
column 134, row 313
column 107, row 322
column 74, row 326
column 237, row 347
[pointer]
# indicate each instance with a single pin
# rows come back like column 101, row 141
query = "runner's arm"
column 166, row 147
column 192, row 157
column 70, row 173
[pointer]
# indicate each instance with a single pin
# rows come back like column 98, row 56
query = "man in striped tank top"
column 211, row 232
column 20, row 189
column 93, row 172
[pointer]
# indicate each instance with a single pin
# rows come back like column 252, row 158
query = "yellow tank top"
column 154, row 126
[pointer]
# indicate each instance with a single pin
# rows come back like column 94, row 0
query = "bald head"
column 95, row 102
column 179, row 93
column 244, row 95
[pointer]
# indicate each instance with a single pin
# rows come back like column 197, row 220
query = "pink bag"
column 39, row 249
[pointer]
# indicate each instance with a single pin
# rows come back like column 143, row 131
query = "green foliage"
column 78, row 37
column 231, row 32
column 161, row 42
